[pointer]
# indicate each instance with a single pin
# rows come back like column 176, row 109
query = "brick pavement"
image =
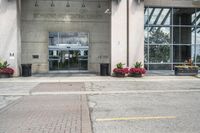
column 47, row 114
column 58, row 87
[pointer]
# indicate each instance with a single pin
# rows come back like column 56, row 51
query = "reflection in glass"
column 198, row 53
column 74, row 38
column 166, row 40
column 159, row 16
column 146, row 35
column 181, row 53
column 198, row 35
column 53, row 38
column 159, row 66
column 159, row 35
column 159, row 53
column 184, row 16
column 183, row 35
column 53, row 65
column 145, row 53
column 146, row 15
column 197, row 19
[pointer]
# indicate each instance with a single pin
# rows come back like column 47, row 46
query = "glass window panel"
column 159, row 35
column 159, row 66
column 146, row 15
column 159, row 53
column 183, row 16
column 160, row 16
column 193, row 52
column 181, row 53
column 146, row 66
column 198, row 53
column 53, row 65
column 183, row 35
column 145, row 53
column 197, row 35
column 53, row 38
column 198, row 17
column 153, row 14
column 146, row 29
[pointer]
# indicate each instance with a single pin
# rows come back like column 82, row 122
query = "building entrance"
column 68, row 59
column 68, row 55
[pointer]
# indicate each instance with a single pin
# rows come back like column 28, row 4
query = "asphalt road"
column 146, row 112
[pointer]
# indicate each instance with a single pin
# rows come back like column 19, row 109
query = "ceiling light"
column 83, row 4
column 99, row 4
column 36, row 4
column 67, row 5
column 52, row 4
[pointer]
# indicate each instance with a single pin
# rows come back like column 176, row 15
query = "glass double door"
column 68, row 59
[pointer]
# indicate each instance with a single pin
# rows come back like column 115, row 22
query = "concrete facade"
column 10, row 40
column 116, row 36
column 37, row 22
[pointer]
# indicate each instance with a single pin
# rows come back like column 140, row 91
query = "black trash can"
column 104, row 69
column 26, row 70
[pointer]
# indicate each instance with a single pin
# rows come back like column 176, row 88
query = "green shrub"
column 4, row 64
column 120, row 65
column 138, row 64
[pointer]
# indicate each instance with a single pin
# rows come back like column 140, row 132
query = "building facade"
column 79, row 35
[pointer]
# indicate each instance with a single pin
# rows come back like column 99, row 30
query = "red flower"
column 7, row 70
column 121, row 70
column 137, row 70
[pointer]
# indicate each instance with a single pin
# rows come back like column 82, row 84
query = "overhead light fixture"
column 67, row 5
column 36, row 4
column 83, row 4
column 52, row 4
column 99, row 4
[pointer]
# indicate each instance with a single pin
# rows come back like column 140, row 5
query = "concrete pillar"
column 136, row 32
column 118, row 32
column 10, row 43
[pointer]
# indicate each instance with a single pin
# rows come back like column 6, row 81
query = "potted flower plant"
column 188, row 69
column 119, row 71
column 137, row 70
column 5, row 71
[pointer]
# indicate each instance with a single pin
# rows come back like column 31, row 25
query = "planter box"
column 119, row 75
column 135, row 75
column 2, row 75
column 185, row 71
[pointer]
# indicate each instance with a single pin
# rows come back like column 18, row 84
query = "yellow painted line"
column 137, row 118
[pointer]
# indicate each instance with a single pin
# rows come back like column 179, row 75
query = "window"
column 171, row 37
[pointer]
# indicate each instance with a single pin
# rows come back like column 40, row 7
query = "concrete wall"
column 10, row 33
column 136, row 32
column 171, row 3
column 37, row 22
column 118, row 33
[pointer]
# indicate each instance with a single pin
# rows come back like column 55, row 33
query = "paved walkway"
column 47, row 113
column 95, row 79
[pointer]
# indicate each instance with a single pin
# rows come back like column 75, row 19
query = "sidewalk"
column 95, row 79
column 47, row 113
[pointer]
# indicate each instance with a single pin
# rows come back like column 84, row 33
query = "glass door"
column 68, row 50
column 68, row 59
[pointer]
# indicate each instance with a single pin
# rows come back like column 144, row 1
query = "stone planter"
column 185, row 71
column 3, row 75
column 135, row 75
column 119, row 74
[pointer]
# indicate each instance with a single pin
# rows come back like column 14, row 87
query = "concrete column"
column 10, row 33
column 136, row 32
column 118, row 33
